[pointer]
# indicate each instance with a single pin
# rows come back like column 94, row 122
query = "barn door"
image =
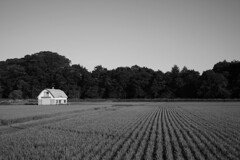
column 46, row 101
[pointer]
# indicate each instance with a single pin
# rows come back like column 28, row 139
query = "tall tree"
column 157, row 85
column 33, row 73
column 174, row 83
column 231, row 71
column 214, row 85
column 191, row 82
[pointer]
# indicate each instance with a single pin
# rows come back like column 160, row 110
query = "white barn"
column 52, row 97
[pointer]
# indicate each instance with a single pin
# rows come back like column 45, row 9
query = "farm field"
column 171, row 131
column 20, row 113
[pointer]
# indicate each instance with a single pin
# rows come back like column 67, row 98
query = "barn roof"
column 57, row 93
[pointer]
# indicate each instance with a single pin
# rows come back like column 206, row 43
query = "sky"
column 157, row 34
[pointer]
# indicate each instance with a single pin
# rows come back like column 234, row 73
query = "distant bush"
column 5, row 103
column 16, row 94
column 31, row 103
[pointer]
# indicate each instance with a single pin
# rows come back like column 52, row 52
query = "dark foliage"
column 26, row 77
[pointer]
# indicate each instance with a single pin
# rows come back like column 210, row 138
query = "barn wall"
column 53, row 101
column 62, row 101
column 46, row 101
column 39, row 102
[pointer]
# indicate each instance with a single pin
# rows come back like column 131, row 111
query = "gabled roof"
column 57, row 93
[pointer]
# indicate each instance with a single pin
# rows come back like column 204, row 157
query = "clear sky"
column 153, row 33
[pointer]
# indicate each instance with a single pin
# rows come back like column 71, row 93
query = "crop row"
column 162, row 131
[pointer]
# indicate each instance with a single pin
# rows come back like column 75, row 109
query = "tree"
column 16, row 94
column 231, row 71
column 214, row 85
column 33, row 73
column 139, row 82
column 190, row 84
column 23, row 86
column 175, row 70
column 121, row 76
column 1, row 90
column 92, row 92
column 174, row 83
column 236, row 88
column 158, row 85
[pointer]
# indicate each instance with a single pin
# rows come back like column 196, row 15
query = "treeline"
column 28, row 76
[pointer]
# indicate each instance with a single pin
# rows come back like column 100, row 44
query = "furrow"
column 155, row 154
column 167, row 142
column 124, row 129
column 149, row 140
column 188, row 146
column 129, row 150
column 171, row 136
column 215, row 120
column 220, row 145
column 217, row 125
column 99, row 145
column 194, row 132
column 178, row 152
column 112, row 150
column 226, row 139
column 159, row 143
column 164, row 156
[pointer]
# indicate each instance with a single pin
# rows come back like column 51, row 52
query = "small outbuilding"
column 52, row 97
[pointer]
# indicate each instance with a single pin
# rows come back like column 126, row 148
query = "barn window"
column 46, row 94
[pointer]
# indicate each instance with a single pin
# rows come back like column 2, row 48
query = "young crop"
column 151, row 131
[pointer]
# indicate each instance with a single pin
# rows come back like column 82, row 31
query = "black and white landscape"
column 120, row 79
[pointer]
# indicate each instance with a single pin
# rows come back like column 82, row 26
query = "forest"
column 24, row 78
